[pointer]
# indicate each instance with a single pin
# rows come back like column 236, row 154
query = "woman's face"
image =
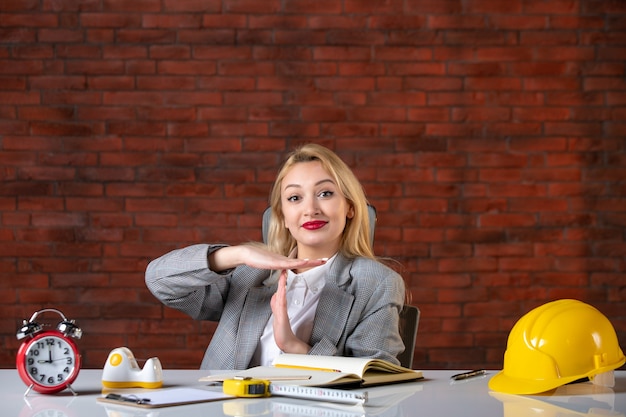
column 315, row 211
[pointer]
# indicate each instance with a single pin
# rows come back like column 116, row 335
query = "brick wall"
column 489, row 134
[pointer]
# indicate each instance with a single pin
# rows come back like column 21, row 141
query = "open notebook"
column 324, row 371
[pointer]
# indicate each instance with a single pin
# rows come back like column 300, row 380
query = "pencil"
column 306, row 368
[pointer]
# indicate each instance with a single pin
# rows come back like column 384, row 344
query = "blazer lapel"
column 256, row 312
column 334, row 305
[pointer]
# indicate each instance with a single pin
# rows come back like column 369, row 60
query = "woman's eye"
column 293, row 198
column 326, row 194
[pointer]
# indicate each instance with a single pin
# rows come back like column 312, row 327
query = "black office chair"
column 409, row 316
column 409, row 320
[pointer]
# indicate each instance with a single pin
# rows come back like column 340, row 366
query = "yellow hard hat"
column 557, row 343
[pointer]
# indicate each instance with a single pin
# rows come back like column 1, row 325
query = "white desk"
column 435, row 396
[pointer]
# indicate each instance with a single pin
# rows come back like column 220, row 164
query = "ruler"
column 317, row 393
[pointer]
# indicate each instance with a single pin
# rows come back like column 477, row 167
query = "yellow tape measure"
column 241, row 386
column 246, row 387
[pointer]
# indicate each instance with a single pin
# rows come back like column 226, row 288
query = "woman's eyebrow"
column 316, row 184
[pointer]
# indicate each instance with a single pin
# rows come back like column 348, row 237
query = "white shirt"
column 303, row 294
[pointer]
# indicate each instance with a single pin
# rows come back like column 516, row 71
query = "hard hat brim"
column 500, row 382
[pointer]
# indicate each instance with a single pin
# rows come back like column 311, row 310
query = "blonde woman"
column 315, row 288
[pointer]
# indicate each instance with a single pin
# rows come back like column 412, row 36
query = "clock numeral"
column 66, row 370
column 69, row 361
column 34, row 352
column 34, row 371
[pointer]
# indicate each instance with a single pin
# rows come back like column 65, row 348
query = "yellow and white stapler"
column 121, row 371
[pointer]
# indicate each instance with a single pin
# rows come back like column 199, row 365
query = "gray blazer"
column 357, row 314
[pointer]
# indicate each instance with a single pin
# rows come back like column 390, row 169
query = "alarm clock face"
column 49, row 361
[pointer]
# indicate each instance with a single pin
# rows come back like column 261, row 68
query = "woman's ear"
column 350, row 213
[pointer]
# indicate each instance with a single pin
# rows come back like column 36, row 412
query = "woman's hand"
column 256, row 256
column 284, row 337
column 259, row 257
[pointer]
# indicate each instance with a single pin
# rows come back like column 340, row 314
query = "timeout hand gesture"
column 257, row 256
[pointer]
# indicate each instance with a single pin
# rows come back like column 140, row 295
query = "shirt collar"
column 314, row 277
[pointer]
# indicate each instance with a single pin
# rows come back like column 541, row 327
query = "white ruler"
column 317, row 393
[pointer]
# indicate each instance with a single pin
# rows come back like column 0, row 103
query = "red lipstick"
column 314, row 225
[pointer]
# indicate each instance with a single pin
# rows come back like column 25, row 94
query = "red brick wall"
column 489, row 134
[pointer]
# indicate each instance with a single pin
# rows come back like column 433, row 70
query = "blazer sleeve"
column 181, row 279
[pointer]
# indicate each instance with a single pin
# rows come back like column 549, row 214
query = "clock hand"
column 49, row 357
column 50, row 361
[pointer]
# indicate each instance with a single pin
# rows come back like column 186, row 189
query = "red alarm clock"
column 48, row 361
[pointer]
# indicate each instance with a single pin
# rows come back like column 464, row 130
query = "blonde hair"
column 355, row 240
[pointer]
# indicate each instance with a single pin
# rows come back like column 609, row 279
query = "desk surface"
column 433, row 396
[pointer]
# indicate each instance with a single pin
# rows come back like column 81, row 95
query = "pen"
column 130, row 399
column 306, row 368
column 470, row 374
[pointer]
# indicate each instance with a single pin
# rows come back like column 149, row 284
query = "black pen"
column 470, row 374
column 129, row 399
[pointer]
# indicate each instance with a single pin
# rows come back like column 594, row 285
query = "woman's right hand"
column 256, row 256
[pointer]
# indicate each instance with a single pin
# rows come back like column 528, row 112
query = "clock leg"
column 28, row 390
column 71, row 389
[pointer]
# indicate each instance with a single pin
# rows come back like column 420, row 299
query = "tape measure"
column 247, row 387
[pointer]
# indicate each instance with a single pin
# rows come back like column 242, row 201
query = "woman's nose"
column 312, row 207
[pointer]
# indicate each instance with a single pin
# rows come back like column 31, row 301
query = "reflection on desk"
column 570, row 400
column 436, row 395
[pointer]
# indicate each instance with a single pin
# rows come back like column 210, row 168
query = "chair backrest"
column 267, row 214
column 409, row 320
column 409, row 316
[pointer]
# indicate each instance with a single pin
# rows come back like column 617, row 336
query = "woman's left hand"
column 285, row 339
